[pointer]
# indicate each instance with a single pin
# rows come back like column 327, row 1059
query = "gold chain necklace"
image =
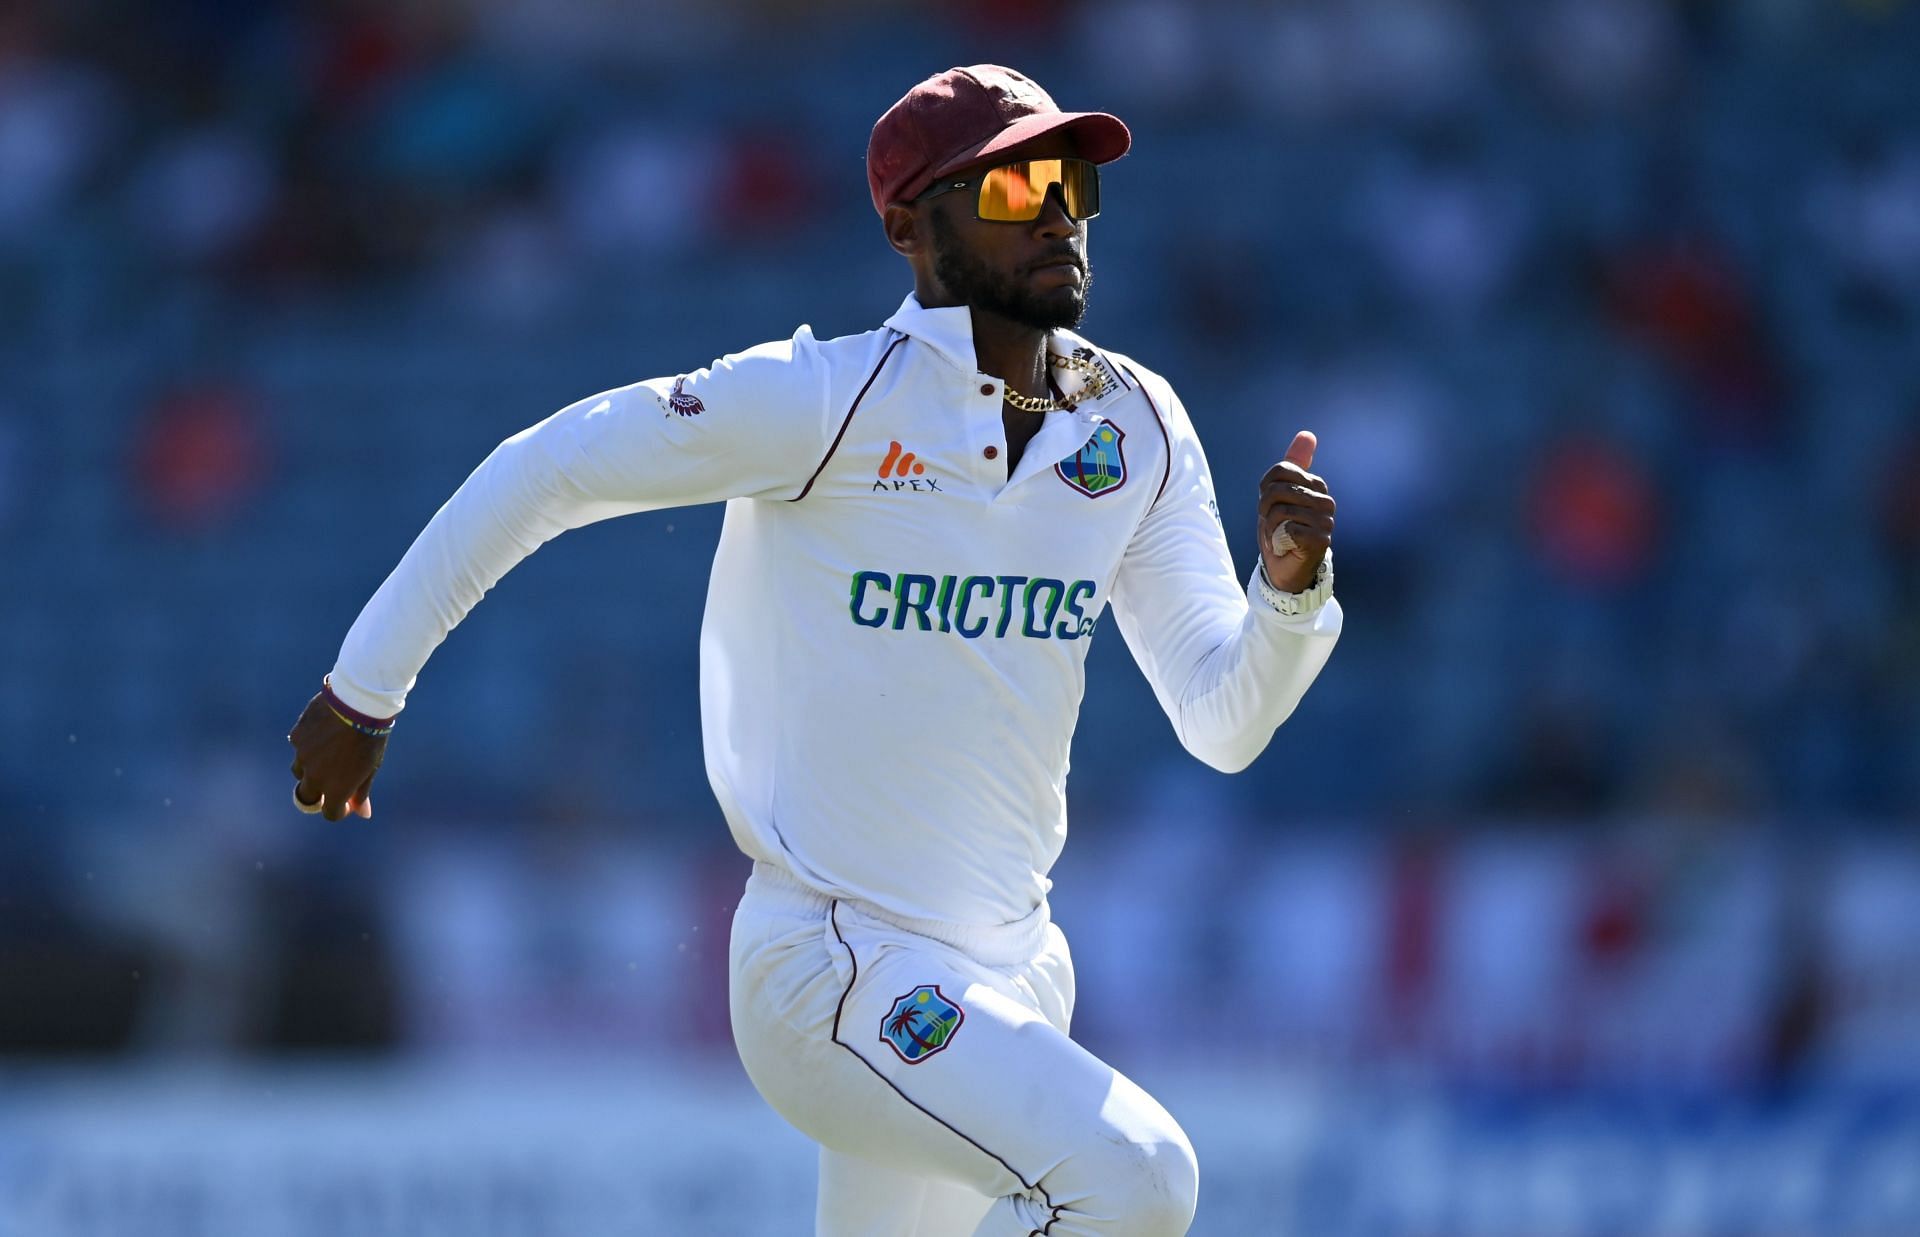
column 1096, row 386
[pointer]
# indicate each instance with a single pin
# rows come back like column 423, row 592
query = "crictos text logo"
column 1039, row 609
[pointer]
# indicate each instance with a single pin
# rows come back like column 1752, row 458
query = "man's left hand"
column 1293, row 498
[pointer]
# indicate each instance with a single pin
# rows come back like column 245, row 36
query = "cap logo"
column 1025, row 94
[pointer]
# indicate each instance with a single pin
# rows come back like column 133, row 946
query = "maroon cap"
column 964, row 116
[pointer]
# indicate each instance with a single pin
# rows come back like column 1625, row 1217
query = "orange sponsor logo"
column 902, row 471
column 900, row 463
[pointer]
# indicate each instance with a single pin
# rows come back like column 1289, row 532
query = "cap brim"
column 1098, row 138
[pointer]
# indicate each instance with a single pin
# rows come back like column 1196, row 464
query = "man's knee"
column 1163, row 1188
column 1138, row 1182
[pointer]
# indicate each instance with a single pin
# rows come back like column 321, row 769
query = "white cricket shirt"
column 896, row 631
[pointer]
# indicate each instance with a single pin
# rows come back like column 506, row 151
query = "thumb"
column 362, row 802
column 1301, row 452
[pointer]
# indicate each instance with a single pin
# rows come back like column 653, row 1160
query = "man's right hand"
column 333, row 762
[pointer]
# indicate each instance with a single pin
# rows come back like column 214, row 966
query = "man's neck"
column 1010, row 351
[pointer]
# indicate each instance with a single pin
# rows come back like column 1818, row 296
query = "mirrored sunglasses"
column 1017, row 192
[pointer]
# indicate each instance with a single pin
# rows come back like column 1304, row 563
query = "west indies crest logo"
column 921, row 1023
column 1099, row 467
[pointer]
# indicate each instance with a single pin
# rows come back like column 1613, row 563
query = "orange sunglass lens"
column 1014, row 193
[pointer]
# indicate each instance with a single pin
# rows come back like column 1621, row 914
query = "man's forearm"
column 1251, row 682
column 517, row 500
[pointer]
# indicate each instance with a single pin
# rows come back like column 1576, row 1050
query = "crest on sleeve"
column 1098, row 467
column 678, row 400
column 921, row 1023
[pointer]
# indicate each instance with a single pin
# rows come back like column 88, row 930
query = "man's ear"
column 904, row 232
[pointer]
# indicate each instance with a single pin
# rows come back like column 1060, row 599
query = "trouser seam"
column 833, row 911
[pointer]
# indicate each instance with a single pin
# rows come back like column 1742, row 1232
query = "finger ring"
column 1282, row 540
column 309, row 808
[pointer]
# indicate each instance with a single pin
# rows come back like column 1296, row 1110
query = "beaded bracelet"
column 372, row 727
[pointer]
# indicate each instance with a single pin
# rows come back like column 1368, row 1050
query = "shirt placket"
column 987, row 433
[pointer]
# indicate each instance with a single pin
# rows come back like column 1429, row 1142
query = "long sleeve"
column 751, row 425
column 1226, row 666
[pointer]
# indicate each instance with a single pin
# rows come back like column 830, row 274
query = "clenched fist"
column 1296, row 518
column 334, row 761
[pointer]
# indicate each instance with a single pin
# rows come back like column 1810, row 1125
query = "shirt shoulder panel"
column 1168, row 414
column 854, row 363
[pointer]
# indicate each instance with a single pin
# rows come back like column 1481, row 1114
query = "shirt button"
column 986, row 388
column 991, row 453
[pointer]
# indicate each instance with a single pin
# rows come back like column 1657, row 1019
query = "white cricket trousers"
column 932, row 1065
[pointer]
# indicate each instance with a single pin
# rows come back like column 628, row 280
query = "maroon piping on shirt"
column 1162, row 423
column 897, row 341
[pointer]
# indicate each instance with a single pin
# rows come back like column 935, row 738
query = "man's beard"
column 971, row 282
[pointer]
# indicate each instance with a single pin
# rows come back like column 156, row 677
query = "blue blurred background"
column 1582, row 895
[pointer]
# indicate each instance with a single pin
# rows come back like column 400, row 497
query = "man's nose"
column 1053, row 219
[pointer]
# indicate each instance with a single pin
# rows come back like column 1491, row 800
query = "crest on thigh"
column 921, row 1024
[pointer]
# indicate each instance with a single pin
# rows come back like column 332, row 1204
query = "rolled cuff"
column 374, row 704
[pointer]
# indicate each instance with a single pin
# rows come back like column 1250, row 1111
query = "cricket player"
column 925, row 525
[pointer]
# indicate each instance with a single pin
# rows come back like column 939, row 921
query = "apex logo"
column 901, row 471
column 900, row 463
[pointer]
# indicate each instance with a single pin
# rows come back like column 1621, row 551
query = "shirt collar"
column 949, row 332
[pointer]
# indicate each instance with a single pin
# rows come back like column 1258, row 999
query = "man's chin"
column 1037, row 309
column 1054, row 308
column 1073, row 310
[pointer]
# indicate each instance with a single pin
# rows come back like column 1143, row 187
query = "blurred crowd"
column 1603, row 311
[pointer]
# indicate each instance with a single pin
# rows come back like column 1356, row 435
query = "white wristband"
column 1294, row 605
